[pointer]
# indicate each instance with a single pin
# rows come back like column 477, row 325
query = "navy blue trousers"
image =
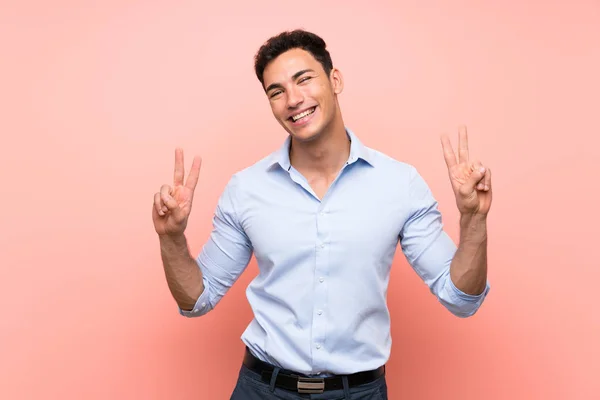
column 250, row 387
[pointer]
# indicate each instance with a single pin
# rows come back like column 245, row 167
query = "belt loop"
column 274, row 378
column 346, row 387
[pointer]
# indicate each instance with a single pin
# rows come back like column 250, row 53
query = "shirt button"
column 203, row 304
column 195, row 310
column 321, row 279
column 318, row 346
column 320, row 312
column 323, row 245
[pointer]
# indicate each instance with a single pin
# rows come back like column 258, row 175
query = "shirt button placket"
column 322, row 261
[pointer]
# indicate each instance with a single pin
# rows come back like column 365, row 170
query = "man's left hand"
column 471, row 180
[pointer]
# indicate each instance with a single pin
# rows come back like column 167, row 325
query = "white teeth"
column 303, row 114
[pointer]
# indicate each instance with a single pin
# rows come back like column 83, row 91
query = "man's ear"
column 337, row 80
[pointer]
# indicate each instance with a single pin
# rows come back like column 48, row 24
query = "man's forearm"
column 468, row 269
column 183, row 275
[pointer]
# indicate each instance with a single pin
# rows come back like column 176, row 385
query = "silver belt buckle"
column 311, row 385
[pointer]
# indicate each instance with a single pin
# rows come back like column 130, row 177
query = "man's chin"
column 304, row 135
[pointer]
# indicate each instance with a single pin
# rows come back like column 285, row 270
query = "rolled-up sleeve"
column 225, row 255
column 429, row 250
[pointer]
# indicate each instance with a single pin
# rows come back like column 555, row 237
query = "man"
column 323, row 216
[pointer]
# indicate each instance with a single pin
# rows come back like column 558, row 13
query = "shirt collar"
column 357, row 151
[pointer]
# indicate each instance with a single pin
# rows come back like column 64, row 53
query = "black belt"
column 302, row 384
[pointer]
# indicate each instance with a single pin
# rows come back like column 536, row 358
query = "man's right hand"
column 173, row 204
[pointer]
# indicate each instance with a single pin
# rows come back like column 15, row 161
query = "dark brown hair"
column 288, row 40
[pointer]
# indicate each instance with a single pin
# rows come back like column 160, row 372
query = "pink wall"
column 96, row 95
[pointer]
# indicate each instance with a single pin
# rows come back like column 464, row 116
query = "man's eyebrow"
column 295, row 76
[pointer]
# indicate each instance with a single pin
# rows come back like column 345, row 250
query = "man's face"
column 302, row 96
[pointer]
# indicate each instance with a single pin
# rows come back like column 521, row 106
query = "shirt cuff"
column 201, row 307
column 461, row 296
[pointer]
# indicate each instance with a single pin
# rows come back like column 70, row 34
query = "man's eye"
column 273, row 94
column 304, row 79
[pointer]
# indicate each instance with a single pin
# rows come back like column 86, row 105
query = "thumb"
column 174, row 208
column 477, row 174
column 169, row 201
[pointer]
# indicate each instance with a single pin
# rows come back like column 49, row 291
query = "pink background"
column 94, row 96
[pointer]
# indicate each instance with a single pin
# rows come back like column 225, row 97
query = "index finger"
column 179, row 170
column 463, row 144
column 449, row 155
column 192, row 179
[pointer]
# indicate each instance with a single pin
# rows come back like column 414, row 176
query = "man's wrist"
column 473, row 228
column 473, row 218
column 178, row 239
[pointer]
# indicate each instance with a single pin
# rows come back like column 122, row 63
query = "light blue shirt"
column 319, row 300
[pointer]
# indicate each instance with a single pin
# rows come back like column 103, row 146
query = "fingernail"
column 482, row 170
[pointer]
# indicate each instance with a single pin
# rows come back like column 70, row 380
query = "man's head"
column 297, row 74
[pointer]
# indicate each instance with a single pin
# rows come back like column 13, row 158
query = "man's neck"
column 323, row 156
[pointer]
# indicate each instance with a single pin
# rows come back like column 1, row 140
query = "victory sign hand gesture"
column 173, row 204
column 471, row 180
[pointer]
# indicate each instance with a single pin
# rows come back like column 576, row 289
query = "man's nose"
column 295, row 98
